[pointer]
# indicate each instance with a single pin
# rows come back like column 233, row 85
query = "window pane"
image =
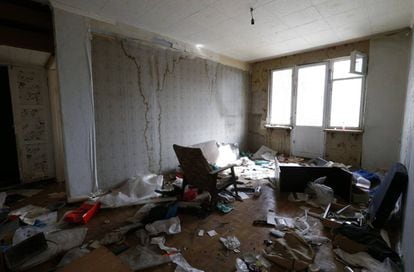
column 346, row 103
column 341, row 69
column 311, row 91
column 281, row 97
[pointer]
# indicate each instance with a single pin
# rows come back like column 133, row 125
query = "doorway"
column 308, row 137
column 9, row 168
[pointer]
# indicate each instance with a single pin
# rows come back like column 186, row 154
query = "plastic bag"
column 324, row 194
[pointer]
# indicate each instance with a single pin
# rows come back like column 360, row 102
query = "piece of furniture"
column 198, row 172
column 386, row 196
column 296, row 178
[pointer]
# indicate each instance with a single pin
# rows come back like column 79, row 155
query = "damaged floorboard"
column 205, row 253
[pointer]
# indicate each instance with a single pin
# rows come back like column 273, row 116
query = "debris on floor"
column 142, row 257
column 175, row 256
column 212, row 233
column 231, row 243
column 168, row 226
column 290, row 237
column 134, row 191
column 290, row 252
column 224, row 208
column 264, row 152
column 83, row 214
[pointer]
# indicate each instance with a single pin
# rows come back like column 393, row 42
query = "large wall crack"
column 162, row 77
column 212, row 78
column 145, row 103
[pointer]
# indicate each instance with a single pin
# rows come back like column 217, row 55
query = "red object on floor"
column 190, row 194
column 82, row 214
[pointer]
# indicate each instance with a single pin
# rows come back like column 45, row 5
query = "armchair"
column 198, row 172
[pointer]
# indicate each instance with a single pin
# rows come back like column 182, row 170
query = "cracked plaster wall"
column 279, row 139
column 148, row 98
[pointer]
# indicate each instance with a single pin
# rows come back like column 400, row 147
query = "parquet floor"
column 205, row 253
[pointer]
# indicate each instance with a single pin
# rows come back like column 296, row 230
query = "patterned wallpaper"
column 148, row 98
column 31, row 114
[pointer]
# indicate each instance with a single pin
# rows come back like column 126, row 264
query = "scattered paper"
column 175, row 255
column 266, row 153
column 212, row 233
column 140, row 257
column 57, row 242
column 200, row 233
column 231, row 243
column 243, row 195
column 168, row 226
column 44, row 223
column 71, row 255
column 95, row 244
column 28, row 214
column 279, row 222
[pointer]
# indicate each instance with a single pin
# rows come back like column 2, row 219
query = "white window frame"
column 269, row 98
column 328, row 95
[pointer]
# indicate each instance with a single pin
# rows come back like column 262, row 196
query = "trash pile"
column 357, row 242
column 32, row 235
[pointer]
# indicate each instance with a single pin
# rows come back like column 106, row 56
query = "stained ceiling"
column 281, row 26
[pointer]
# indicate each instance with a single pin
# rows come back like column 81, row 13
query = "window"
column 310, row 95
column 281, row 97
column 305, row 88
column 346, row 96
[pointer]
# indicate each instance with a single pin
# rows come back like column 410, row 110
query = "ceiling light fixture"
column 251, row 13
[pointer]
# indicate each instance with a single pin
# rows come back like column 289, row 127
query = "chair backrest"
column 194, row 164
column 392, row 186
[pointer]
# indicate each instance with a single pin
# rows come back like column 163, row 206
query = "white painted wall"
column 407, row 158
column 72, row 47
column 386, row 90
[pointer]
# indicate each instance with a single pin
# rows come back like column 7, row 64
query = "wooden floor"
column 205, row 253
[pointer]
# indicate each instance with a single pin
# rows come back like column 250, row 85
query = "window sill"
column 360, row 131
column 278, row 127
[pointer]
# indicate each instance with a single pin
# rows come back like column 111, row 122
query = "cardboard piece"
column 99, row 260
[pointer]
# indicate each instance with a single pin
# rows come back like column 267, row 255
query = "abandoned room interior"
column 206, row 135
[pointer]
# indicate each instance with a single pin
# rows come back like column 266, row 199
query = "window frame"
column 325, row 94
column 270, row 98
column 327, row 97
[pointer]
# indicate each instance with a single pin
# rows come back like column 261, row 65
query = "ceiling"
column 281, row 26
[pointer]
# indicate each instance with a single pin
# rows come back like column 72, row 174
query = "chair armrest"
column 215, row 172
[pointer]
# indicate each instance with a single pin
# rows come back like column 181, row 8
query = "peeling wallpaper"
column 31, row 115
column 280, row 139
column 147, row 99
column 344, row 147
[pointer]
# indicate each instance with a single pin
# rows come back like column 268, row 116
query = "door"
column 31, row 114
column 308, row 137
column 9, row 168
